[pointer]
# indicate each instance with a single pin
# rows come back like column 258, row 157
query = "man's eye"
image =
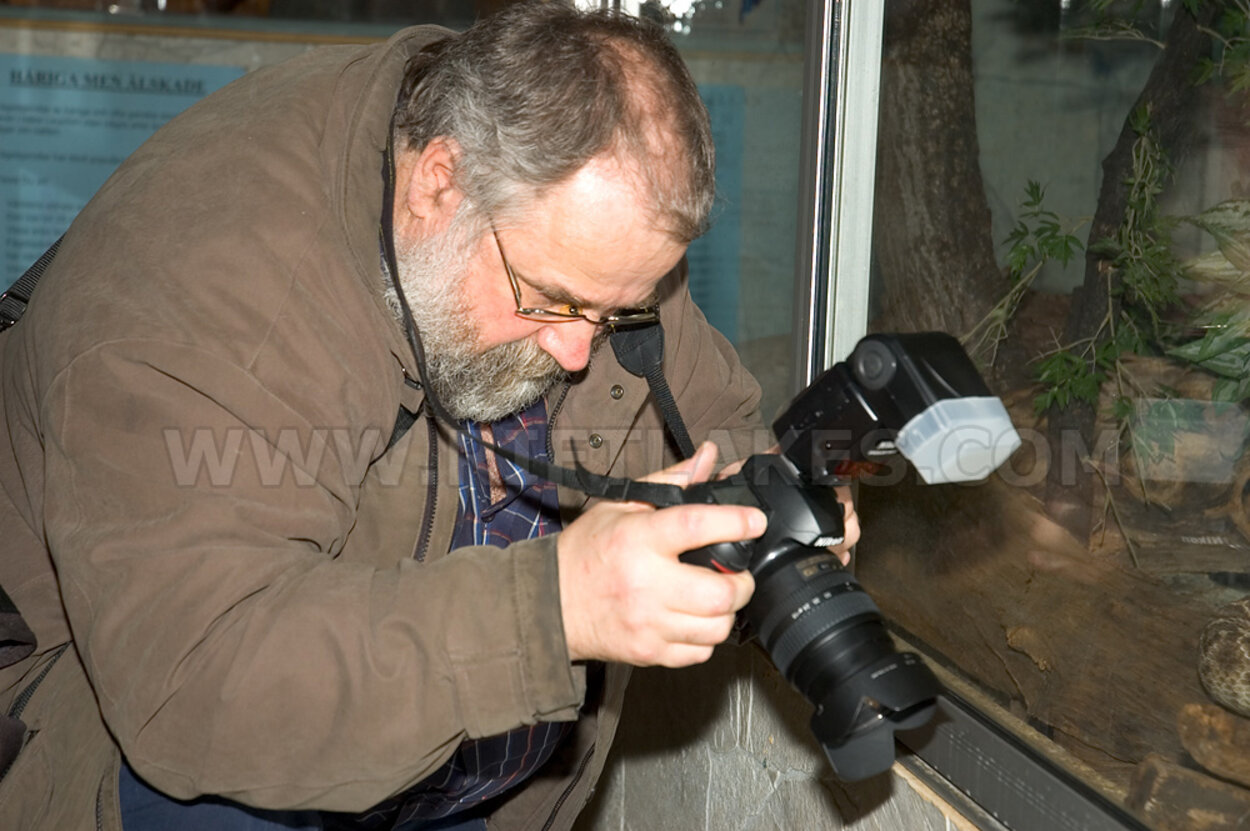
column 569, row 310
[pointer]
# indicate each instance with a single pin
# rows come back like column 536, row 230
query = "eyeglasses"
column 568, row 312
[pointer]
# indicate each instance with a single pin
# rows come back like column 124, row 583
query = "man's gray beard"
column 470, row 384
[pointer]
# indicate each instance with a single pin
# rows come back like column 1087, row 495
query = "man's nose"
column 569, row 343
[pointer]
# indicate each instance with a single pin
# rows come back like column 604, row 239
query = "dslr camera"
column 917, row 395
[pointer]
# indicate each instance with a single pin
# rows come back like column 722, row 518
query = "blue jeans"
column 146, row 809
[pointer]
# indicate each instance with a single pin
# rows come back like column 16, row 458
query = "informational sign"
column 65, row 125
column 715, row 257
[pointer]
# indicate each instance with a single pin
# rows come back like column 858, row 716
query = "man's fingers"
column 625, row 596
column 744, row 587
column 850, row 525
column 682, row 655
column 682, row 528
column 695, row 469
column 708, row 631
column 710, row 594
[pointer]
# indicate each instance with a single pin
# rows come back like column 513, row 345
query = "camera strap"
column 640, row 350
column 16, row 298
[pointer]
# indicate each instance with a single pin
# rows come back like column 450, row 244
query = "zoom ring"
column 779, row 613
column 809, row 626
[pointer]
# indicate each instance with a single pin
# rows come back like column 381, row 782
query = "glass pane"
column 79, row 91
column 747, row 59
column 1064, row 186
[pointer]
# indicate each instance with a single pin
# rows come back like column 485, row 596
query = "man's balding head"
column 529, row 96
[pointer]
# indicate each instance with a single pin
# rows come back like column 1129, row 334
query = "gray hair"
column 530, row 95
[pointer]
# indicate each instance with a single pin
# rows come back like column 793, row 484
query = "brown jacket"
column 198, row 496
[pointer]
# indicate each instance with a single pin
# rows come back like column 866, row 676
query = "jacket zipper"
column 551, row 421
column 577, row 777
column 427, row 521
column 427, row 529
column 99, row 807
column 581, row 768
column 23, row 698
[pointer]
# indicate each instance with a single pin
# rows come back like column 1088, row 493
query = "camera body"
column 918, row 395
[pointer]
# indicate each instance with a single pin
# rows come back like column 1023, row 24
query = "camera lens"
column 828, row 638
column 805, row 601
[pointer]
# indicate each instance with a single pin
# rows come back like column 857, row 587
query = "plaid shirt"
column 482, row 768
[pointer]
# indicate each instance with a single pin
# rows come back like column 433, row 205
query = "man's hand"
column 624, row 594
column 850, row 519
column 850, row 524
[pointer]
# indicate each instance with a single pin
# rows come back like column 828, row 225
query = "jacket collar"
column 362, row 111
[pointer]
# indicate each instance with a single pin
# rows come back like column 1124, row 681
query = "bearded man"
column 270, row 589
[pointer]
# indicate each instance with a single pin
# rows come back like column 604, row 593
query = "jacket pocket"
column 13, row 731
column 12, row 738
column 26, row 790
column 55, row 782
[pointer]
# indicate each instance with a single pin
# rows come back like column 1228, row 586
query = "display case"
column 1063, row 185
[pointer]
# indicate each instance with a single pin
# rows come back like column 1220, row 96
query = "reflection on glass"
column 1065, row 187
column 747, row 59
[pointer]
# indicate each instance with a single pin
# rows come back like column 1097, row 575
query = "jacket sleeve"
column 195, row 526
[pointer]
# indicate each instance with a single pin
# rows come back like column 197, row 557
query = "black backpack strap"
column 13, row 302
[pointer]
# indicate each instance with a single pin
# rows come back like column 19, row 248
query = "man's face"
column 588, row 242
column 472, row 382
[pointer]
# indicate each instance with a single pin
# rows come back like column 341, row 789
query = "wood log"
column 1217, row 739
column 1168, row 797
column 932, row 236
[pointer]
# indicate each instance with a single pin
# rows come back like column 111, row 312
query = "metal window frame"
column 837, row 167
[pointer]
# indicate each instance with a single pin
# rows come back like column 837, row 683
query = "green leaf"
column 1223, row 352
column 1034, row 193
column 1068, row 378
column 1232, row 390
column 1122, row 407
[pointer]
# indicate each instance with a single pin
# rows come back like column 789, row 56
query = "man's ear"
column 426, row 184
